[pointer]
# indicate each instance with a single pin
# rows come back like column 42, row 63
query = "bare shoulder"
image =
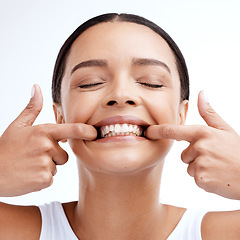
column 19, row 222
column 221, row 225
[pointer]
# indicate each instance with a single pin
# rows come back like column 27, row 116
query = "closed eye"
column 151, row 85
column 90, row 85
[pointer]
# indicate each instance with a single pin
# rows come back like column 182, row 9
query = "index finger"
column 168, row 131
column 72, row 131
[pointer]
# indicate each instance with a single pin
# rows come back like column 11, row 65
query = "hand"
column 29, row 154
column 213, row 155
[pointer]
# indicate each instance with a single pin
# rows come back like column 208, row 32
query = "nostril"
column 110, row 103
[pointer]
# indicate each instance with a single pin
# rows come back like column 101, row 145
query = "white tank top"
column 55, row 225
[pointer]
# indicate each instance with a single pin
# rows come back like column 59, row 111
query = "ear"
column 182, row 114
column 59, row 117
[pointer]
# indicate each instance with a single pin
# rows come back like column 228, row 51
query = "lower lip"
column 120, row 139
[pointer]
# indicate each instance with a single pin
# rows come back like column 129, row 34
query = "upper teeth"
column 120, row 129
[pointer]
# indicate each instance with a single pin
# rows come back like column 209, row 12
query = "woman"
column 120, row 92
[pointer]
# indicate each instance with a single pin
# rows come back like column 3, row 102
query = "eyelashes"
column 89, row 85
column 151, row 85
column 92, row 84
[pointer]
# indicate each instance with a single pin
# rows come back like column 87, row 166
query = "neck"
column 118, row 206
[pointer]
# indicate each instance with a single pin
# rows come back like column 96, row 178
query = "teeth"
column 120, row 129
column 125, row 128
column 135, row 127
column 130, row 128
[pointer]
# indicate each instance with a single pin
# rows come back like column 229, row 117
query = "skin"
column 126, row 165
column 120, row 84
column 119, row 179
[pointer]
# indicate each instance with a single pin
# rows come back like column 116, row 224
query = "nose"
column 121, row 94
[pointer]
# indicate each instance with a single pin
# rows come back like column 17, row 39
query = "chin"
column 121, row 158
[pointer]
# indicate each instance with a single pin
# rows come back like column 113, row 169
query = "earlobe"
column 182, row 115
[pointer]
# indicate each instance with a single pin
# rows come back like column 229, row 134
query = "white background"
column 207, row 32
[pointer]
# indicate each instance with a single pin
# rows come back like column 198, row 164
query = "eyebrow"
column 136, row 62
column 150, row 62
column 90, row 63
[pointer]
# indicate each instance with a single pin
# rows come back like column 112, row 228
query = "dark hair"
column 111, row 17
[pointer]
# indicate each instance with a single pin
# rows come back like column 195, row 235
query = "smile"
column 121, row 127
column 120, row 130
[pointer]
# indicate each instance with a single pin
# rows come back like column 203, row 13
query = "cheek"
column 78, row 109
column 163, row 109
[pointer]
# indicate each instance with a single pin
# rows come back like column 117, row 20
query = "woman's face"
column 120, row 77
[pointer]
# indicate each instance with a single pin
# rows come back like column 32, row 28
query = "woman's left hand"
column 213, row 155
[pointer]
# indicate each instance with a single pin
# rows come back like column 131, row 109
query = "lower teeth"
column 110, row 134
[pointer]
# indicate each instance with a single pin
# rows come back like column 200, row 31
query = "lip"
column 119, row 119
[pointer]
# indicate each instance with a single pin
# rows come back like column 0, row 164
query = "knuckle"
column 206, row 132
column 78, row 129
column 200, row 147
column 45, row 142
column 201, row 130
column 210, row 111
column 201, row 175
column 46, row 179
column 204, row 183
column 46, row 145
column 202, row 180
column 32, row 107
column 168, row 132
column 200, row 165
column 45, row 164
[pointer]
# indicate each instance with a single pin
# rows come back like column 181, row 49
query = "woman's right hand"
column 29, row 154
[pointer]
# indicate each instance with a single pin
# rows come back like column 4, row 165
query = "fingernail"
column 33, row 91
column 205, row 96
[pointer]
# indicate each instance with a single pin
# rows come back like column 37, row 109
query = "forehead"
column 120, row 40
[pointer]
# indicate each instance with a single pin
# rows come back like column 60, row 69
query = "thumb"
column 32, row 110
column 209, row 115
